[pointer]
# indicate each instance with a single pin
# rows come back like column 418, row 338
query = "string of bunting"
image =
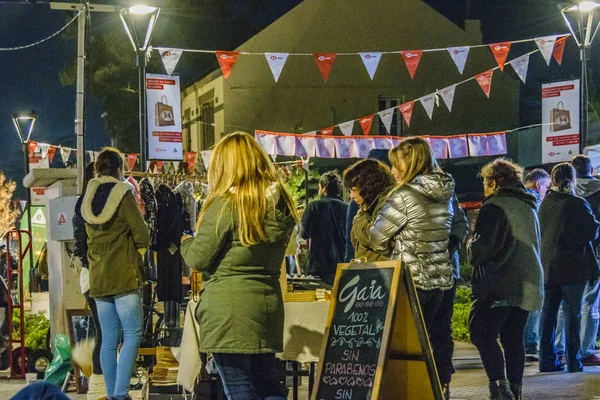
column 324, row 61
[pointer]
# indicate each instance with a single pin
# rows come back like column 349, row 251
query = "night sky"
column 30, row 76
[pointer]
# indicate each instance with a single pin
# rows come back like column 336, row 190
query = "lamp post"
column 24, row 123
column 139, row 22
column 583, row 22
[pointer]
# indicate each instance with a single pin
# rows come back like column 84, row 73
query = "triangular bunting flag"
column 448, row 96
column 205, row 155
column 65, row 153
column 412, row 59
column 159, row 166
column 227, row 60
column 148, row 163
column 485, row 81
column 132, row 158
column 190, row 157
column 326, row 131
column 23, row 204
column 546, row 45
column 170, row 58
column 312, row 133
column 386, row 116
column 520, row 66
column 559, row 48
column 276, row 62
column 32, row 146
column 324, row 62
column 44, row 147
column 51, row 152
column 428, row 102
column 176, row 166
column 459, row 56
column 500, row 51
column 371, row 61
column 406, row 109
column 346, row 127
column 365, row 124
column 90, row 154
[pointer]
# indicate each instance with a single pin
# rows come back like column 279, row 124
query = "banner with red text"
column 164, row 117
column 560, row 121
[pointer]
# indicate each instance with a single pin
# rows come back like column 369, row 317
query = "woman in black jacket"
column 568, row 228
column 96, row 388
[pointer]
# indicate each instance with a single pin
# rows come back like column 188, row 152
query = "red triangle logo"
column 324, row 62
column 500, row 51
column 226, row 60
column 412, row 59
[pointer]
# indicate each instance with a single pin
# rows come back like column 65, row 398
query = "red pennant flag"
column 485, row 81
column 327, row 131
column 226, row 60
column 190, row 156
column 324, row 62
column 559, row 49
column 500, row 51
column 32, row 147
column 159, row 166
column 15, row 204
column 412, row 59
column 51, row 151
column 132, row 158
column 365, row 124
column 406, row 109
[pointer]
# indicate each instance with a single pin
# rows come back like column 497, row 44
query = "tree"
column 7, row 216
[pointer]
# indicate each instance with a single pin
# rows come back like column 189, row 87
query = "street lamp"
column 24, row 123
column 139, row 22
column 583, row 21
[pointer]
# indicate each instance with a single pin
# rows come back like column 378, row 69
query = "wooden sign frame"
column 405, row 353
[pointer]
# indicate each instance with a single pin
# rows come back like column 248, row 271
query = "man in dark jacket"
column 588, row 188
column 324, row 223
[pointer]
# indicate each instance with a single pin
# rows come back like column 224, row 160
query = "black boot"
column 446, row 391
column 505, row 390
column 517, row 390
column 494, row 391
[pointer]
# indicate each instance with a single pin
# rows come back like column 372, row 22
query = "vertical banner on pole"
column 164, row 117
column 560, row 121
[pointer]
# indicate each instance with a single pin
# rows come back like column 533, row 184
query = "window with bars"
column 207, row 120
column 396, row 128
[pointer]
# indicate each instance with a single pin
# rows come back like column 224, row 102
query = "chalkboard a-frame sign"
column 375, row 345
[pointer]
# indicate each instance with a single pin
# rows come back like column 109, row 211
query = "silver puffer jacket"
column 414, row 226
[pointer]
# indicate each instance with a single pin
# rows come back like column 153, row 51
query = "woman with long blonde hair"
column 241, row 237
column 414, row 225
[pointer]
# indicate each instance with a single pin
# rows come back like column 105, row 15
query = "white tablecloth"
column 303, row 330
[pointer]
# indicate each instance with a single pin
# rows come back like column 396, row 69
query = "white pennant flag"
column 276, row 62
column 65, row 152
column 520, row 66
column 312, row 133
column 428, row 102
column 546, row 45
column 386, row 116
column 170, row 58
column 90, row 153
column 176, row 166
column 459, row 56
column 206, row 157
column 346, row 127
column 44, row 149
column 371, row 61
column 148, row 166
column 23, row 204
column 448, row 96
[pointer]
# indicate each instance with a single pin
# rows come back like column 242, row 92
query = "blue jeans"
column 589, row 322
column 532, row 332
column 119, row 316
column 249, row 376
column 570, row 296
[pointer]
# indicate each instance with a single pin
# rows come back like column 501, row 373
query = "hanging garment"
column 186, row 189
column 147, row 194
column 136, row 194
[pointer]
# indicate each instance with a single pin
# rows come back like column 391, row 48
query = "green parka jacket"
column 241, row 306
column 116, row 230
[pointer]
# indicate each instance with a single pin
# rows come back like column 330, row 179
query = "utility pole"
column 85, row 9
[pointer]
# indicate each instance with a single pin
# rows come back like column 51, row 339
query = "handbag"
column 163, row 115
column 560, row 119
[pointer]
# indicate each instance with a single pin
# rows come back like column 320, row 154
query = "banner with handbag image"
column 560, row 118
column 164, row 118
column 163, row 113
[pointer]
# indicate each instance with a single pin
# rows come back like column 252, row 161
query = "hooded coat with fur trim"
column 116, row 230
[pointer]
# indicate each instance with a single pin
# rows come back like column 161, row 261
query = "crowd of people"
column 533, row 248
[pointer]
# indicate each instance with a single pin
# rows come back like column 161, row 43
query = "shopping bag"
column 560, row 119
column 163, row 115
